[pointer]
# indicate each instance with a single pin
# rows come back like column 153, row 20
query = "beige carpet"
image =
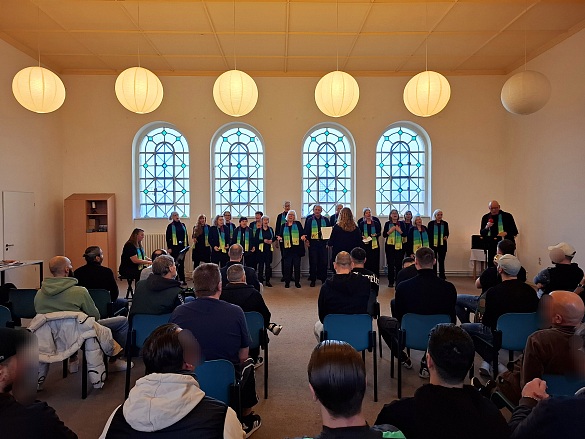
column 289, row 410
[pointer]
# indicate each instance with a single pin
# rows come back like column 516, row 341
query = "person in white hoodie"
column 167, row 403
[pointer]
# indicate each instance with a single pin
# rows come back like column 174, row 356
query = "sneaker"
column 118, row 366
column 251, row 423
column 406, row 363
column 297, row 284
column 73, row 365
column 99, row 385
column 287, row 285
column 274, row 328
column 424, row 373
column 259, row 362
column 485, row 369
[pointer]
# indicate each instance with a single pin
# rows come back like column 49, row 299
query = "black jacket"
column 344, row 294
column 95, row 276
column 156, row 295
column 425, row 294
column 509, row 296
column 247, row 298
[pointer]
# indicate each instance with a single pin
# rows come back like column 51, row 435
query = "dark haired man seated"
column 446, row 408
column 168, row 403
column 337, row 379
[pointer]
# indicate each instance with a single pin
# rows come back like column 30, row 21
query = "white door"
column 18, row 217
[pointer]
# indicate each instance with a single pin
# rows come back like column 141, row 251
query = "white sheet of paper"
column 326, row 232
column 367, row 239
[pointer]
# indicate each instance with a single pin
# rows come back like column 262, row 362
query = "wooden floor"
column 289, row 410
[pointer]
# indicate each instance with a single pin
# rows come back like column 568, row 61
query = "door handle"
column 9, row 245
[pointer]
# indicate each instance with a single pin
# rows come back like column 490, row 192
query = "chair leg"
column 65, row 366
column 83, row 373
column 373, row 341
column 495, row 364
column 364, row 356
column 130, row 343
column 380, row 342
column 510, row 356
column 266, row 368
column 398, row 365
column 392, row 355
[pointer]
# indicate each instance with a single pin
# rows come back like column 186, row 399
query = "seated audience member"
column 343, row 293
column 540, row 417
column 160, row 293
column 424, row 294
column 408, row 270
column 148, row 270
column 580, row 289
column 61, row 293
column 168, row 402
column 358, row 260
column 95, row 276
column 20, row 415
column 337, row 380
column 236, row 253
column 468, row 303
column 446, row 407
column 237, row 292
column 222, row 332
column 548, row 351
column 510, row 296
column 565, row 275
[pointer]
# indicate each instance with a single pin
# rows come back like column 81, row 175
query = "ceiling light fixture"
column 525, row 92
column 36, row 88
column 428, row 92
column 337, row 93
column 138, row 89
column 235, row 92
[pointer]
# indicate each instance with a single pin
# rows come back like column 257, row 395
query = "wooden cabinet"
column 90, row 219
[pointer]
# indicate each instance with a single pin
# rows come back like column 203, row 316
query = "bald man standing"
column 495, row 226
column 548, row 351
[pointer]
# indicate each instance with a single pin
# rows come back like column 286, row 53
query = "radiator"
column 153, row 241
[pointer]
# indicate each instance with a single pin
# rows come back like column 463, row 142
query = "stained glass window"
column 327, row 168
column 238, row 171
column 402, row 169
column 162, row 170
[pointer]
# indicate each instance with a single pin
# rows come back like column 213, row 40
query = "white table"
column 5, row 267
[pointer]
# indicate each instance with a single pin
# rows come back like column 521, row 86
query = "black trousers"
column 176, row 249
column 317, row 260
column 264, row 259
column 219, row 258
column 291, row 262
column 440, row 253
column 394, row 260
column 373, row 258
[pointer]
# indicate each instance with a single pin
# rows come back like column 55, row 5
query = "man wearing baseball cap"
column 18, row 418
column 510, row 296
column 565, row 275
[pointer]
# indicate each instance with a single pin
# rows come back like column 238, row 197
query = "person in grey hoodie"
column 167, row 402
column 343, row 293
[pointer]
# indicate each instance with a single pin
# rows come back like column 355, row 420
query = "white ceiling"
column 288, row 38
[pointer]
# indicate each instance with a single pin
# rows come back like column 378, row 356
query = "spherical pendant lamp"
column 337, row 93
column 427, row 93
column 525, row 92
column 38, row 89
column 139, row 90
column 235, row 93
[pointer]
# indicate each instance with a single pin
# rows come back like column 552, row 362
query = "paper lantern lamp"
column 38, row 89
column 337, row 93
column 139, row 90
column 235, row 93
column 525, row 92
column 427, row 93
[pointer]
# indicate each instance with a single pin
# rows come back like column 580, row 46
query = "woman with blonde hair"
column 345, row 235
column 219, row 241
column 201, row 246
column 394, row 232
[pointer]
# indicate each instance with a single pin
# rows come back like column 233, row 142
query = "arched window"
column 403, row 170
column 161, row 172
column 327, row 168
column 238, row 170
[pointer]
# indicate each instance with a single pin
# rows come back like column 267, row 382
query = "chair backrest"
column 516, row 328
column 144, row 324
column 101, row 298
column 418, row 327
column 560, row 385
column 215, row 378
column 5, row 316
column 255, row 323
column 23, row 303
column 354, row 329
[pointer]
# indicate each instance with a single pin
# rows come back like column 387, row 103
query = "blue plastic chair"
column 217, row 378
column 5, row 316
column 23, row 303
column 561, row 385
column 259, row 338
column 103, row 302
column 355, row 329
column 414, row 334
column 140, row 326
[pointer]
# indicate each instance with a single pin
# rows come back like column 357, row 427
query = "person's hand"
column 392, row 229
column 535, row 389
column 279, row 238
column 373, row 234
column 216, row 248
column 304, row 238
column 398, row 229
column 169, row 250
column 147, row 263
column 253, row 249
column 445, row 238
column 539, row 286
column 502, row 234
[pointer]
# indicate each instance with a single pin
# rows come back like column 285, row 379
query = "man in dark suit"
column 423, row 294
column 495, row 226
column 236, row 252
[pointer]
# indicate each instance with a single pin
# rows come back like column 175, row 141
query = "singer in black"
column 293, row 242
column 264, row 238
column 317, row 245
column 231, row 227
column 201, row 247
column 177, row 240
column 394, row 233
column 244, row 236
column 219, row 241
column 438, row 231
column 495, row 226
column 371, row 230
